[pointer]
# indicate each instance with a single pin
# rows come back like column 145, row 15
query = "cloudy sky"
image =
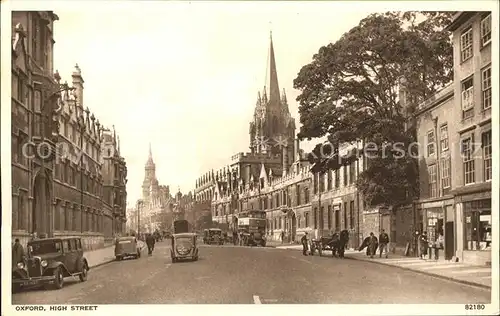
column 185, row 76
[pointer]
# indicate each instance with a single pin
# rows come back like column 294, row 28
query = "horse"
column 342, row 242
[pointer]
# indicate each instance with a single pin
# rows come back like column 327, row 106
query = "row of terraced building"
column 455, row 184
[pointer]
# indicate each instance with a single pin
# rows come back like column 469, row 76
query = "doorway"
column 41, row 208
column 449, row 240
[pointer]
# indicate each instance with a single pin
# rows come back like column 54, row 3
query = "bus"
column 252, row 227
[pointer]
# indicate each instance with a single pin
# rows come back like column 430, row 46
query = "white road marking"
column 256, row 299
column 304, row 260
column 202, row 278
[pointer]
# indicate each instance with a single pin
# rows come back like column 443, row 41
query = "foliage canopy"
column 351, row 91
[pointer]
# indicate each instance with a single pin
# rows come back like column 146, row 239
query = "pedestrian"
column 424, row 245
column 282, row 236
column 304, row 243
column 235, row 237
column 439, row 244
column 383, row 240
column 372, row 245
column 34, row 236
column 150, row 242
column 17, row 252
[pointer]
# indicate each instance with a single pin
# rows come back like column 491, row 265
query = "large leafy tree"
column 351, row 92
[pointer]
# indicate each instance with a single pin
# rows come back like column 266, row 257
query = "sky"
column 184, row 77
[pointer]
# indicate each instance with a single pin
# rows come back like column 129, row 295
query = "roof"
column 184, row 235
column 460, row 18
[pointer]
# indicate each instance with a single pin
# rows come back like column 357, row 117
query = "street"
column 240, row 275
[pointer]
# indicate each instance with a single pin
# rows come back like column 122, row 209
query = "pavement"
column 98, row 257
column 455, row 271
column 253, row 275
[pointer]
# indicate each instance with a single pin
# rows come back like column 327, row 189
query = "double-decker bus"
column 252, row 227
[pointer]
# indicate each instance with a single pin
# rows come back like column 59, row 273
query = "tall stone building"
column 35, row 94
column 157, row 203
column 57, row 179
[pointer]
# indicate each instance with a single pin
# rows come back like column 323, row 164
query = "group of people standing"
column 424, row 245
column 371, row 243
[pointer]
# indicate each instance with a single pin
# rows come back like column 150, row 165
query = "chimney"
column 78, row 85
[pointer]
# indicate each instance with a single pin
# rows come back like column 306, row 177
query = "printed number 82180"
column 474, row 306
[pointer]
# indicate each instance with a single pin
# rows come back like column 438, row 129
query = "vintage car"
column 184, row 246
column 127, row 247
column 49, row 261
column 213, row 236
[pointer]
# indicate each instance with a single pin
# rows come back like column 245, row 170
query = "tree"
column 350, row 92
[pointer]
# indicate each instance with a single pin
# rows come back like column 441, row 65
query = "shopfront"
column 477, row 225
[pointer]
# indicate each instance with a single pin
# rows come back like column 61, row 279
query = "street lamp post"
column 139, row 206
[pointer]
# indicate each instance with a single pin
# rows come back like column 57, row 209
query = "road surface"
column 242, row 275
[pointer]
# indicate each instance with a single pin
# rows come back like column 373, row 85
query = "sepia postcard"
column 196, row 156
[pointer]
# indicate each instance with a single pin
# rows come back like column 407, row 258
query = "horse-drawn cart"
column 335, row 243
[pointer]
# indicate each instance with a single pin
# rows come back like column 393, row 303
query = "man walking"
column 150, row 242
column 304, row 243
column 372, row 244
column 383, row 240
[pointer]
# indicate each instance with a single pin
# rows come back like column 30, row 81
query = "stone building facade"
column 472, row 166
column 57, row 159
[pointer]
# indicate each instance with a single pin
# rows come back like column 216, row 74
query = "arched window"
column 275, row 125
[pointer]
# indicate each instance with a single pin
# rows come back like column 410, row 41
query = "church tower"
column 150, row 184
column 273, row 128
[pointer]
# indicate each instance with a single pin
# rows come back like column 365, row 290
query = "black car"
column 49, row 261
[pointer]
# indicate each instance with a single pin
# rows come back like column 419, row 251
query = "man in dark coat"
column 150, row 242
column 17, row 252
column 305, row 247
column 383, row 240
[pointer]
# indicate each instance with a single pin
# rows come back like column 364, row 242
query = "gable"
column 20, row 58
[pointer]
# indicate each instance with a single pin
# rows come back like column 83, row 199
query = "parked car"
column 49, row 261
column 127, row 247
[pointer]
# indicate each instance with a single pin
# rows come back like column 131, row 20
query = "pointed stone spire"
column 274, row 90
column 150, row 157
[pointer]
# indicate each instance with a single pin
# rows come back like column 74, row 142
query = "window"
column 352, row 173
column 432, row 181
column 14, row 149
column 466, row 44
column 345, row 215
column 486, row 88
column 306, row 216
column 322, row 217
column 66, row 246
column 337, row 219
column 431, row 141
column 337, row 179
column 468, row 161
column 35, row 34
column 467, row 98
column 315, row 184
column 445, row 173
column 351, row 215
column 443, row 136
column 329, row 180
column 306, row 195
column 487, row 163
column 486, row 30
column 322, row 182
column 329, row 217
column 477, row 225
column 315, row 217
column 345, row 175
column 297, row 193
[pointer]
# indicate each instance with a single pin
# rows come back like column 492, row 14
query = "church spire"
column 274, row 90
column 150, row 156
